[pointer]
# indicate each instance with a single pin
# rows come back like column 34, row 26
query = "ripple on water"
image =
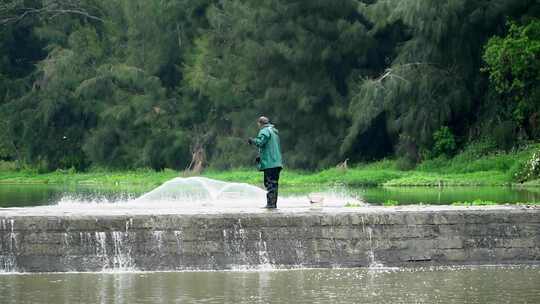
column 463, row 284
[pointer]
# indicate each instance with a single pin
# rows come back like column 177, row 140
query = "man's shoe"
column 270, row 206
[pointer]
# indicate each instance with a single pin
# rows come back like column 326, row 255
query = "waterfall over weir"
column 167, row 243
column 201, row 224
column 157, row 240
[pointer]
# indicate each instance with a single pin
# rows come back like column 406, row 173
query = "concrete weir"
column 43, row 240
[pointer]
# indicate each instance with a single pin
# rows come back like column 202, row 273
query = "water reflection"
column 44, row 195
column 438, row 285
column 449, row 195
column 41, row 195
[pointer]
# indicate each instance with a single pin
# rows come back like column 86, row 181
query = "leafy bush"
column 514, row 71
column 434, row 164
column 516, row 172
column 444, row 142
column 477, row 149
column 528, row 170
column 405, row 164
column 7, row 166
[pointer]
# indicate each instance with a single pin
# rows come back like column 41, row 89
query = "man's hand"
column 250, row 141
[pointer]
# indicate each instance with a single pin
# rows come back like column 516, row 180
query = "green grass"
column 473, row 167
column 390, row 203
column 353, row 177
column 98, row 178
column 482, row 178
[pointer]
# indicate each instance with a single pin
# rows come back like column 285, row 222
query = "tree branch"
column 391, row 72
column 15, row 10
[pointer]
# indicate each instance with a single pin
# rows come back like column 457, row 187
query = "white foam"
column 200, row 193
column 201, row 189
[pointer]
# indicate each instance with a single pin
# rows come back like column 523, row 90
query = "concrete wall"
column 355, row 237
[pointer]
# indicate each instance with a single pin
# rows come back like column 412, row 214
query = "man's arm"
column 262, row 138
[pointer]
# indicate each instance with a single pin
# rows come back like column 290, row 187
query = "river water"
column 485, row 284
column 43, row 195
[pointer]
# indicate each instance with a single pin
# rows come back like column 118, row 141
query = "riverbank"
column 470, row 168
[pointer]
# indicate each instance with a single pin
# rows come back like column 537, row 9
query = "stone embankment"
column 52, row 241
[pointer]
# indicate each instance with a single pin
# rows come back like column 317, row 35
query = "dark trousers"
column 271, row 179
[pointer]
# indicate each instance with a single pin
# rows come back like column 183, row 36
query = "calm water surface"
column 43, row 195
column 438, row 285
column 39, row 195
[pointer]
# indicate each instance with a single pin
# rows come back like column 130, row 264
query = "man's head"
column 263, row 120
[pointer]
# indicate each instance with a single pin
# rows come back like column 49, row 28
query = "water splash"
column 101, row 246
column 373, row 263
column 112, row 250
column 201, row 190
column 179, row 237
column 8, row 260
column 122, row 259
column 264, row 257
column 200, row 193
column 235, row 244
column 158, row 239
column 300, row 253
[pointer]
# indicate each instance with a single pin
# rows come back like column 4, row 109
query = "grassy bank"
column 97, row 178
column 475, row 166
column 472, row 167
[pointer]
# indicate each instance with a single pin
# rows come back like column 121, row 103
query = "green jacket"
column 269, row 149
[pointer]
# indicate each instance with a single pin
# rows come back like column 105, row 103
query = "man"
column 269, row 160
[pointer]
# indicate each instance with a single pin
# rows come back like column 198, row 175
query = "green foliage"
column 477, row 149
column 390, row 203
column 385, row 164
column 7, row 166
column 98, row 99
column 513, row 64
column 518, row 172
column 426, row 83
column 144, row 83
column 289, row 60
column 505, row 135
column 477, row 157
column 526, row 170
column 444, row 142
column 462, row 170
column 431, row 179
column 231, row 152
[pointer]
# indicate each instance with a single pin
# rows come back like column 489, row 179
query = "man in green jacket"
column 269, row 160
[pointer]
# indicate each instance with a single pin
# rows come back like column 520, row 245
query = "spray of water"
column 200, row 193
column 203, row 190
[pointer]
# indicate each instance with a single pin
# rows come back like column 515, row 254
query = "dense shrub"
column 444, row 142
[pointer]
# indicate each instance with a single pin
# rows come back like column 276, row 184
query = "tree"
column 169, row 83
column 513, row 64
column 12, row 11
column 433, row 77
column 291, row 60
